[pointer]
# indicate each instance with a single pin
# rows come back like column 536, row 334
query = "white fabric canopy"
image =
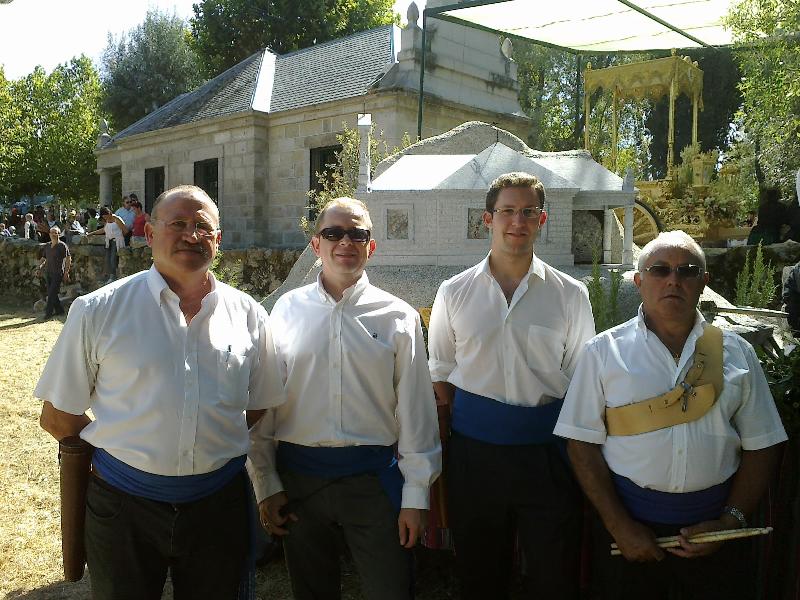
column 603, row 25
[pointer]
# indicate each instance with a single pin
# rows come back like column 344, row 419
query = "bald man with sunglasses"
column 672, row 431
column 355, row 448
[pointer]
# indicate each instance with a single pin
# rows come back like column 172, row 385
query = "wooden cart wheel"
column 646, row 224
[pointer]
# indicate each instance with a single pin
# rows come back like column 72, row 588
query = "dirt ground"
column 30, row 539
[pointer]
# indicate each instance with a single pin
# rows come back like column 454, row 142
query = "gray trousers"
column 112, row 259
column 357, row 508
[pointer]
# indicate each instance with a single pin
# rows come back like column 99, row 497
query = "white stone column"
column 364, row 125
column 105, row 187
column 608, row 223
column 627, row 243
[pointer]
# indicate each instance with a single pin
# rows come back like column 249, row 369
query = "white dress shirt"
column 355, row 374
column 113, row 232
column 522, row 353
column 629, row 364
column 167, row 398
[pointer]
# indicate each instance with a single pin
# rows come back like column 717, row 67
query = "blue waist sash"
column 495, row 422
column 163, row 488
column 344, row 461
column 667, row 508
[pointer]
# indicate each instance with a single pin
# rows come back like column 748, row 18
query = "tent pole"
column 422, row 73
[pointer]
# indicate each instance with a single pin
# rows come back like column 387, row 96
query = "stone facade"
column 264, row 152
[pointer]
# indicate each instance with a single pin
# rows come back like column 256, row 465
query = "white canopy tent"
column 586, row 27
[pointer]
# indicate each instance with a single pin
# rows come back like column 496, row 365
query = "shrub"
column 755, row 283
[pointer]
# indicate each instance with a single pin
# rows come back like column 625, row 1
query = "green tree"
column 147, row 67
column 52, row 128
column 11, row 147
column 228, row 31
column 769, row 57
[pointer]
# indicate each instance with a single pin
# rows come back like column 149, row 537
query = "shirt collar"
column 350, row 294
column 697, row 329
column 158, row 285
column 536, row 267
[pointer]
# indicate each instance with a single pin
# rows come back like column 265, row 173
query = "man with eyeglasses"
column 504, row 337
column 358, row 395
column 127, row 214
column 672, row 432
column 175, row 366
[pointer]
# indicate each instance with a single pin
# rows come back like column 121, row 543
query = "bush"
column 604, row 305
column 755, row 283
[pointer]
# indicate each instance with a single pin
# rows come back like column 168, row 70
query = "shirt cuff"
column 764, row 441
column 415, row 496
column 265, row 484
column 440, row 371
column 582, row 435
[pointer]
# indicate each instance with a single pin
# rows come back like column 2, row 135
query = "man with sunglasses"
column 504, row 337
column 175, row 367
column 672, row 432
column 358, row 393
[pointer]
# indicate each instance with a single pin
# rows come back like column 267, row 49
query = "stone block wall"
column 257, row 271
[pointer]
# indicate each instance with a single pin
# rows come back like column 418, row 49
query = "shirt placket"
column 679, row 449
column 335, row 368
column 191, row 400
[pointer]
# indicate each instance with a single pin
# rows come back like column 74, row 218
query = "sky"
column 51, row 32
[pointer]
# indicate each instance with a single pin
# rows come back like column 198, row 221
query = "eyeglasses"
column 509, row 213
column 686, row 271
column 201, row 228
column 335, row 234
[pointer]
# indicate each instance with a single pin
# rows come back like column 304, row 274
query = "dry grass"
column 30, row 538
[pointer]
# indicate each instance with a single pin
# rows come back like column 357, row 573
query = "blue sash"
column 667, row 508
column 164, row 488
column 495, row 422
column 344, row 461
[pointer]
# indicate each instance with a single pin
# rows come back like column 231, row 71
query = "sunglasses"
column 682, row 271
column 335, row 234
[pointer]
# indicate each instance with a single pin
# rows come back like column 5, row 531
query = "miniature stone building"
column 427, row 201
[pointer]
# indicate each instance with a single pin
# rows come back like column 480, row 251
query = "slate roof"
column 334, row 70
column 228, row 93
column 330, row 71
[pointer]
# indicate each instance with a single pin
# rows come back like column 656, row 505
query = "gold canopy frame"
column 651, row 79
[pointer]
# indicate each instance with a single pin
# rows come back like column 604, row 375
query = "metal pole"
column 422, row 73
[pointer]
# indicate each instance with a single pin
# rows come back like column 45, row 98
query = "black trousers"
column 53, row 303
column 354, row 508
column 498, row 492
column 132, row 542
column 728, row 574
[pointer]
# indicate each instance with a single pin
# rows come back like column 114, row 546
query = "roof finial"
column 412, row 14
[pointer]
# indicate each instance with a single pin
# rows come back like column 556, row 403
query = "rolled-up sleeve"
column 441, row 338
column 418, row 442
column 582, row 416
column 757, row 419
column 69, row 376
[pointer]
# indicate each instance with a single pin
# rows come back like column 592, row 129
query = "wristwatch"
column 736, row 514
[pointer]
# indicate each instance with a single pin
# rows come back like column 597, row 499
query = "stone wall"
column 257, row 271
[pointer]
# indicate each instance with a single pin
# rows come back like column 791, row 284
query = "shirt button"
column 674, row 488
column 680, row 452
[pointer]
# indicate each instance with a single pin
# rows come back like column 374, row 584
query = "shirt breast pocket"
column 233, row 377
column 718, row 420
column 545, row 349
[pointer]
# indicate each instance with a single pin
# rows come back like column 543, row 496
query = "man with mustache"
column 672, row 431
column 357, row 393
column 175, row 367
column 504, row 338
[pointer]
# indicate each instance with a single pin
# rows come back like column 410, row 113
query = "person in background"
column 137, row 238
column 790, row 296
column 29, row 228
column 114, row 230
column 72, row 226
column 57, row 259
column 125, row 212
column 92, row 223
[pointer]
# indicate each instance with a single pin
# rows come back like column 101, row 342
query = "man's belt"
column 688, row 401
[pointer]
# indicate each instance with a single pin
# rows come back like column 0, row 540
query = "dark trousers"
column 112, row 260
column 496, row 492
column 358, row 509
column 132, row 542
column 728, row 574
column 53, row 303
